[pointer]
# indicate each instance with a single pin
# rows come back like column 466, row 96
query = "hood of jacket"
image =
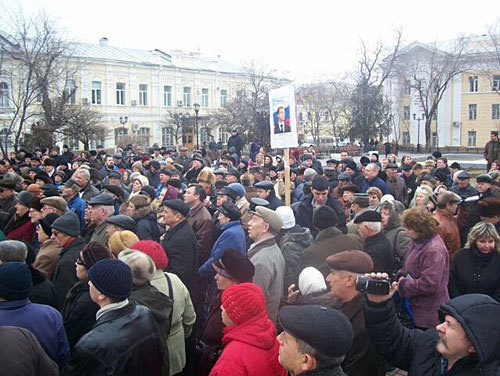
column 145, row 211
column 297, row 234
column 258, row 332
column 393, row 221
column 149, row 296
column 476, row 313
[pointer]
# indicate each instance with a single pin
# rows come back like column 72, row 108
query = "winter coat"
column 397, row 188
column 414, row 350
column 185, row 162
column 379, row 249
column 22, row 354
column 474, row 272
column 20, row 228
column 426, row 274
column 211, row 336
column 274, row 202
column 364, row 184
column 335, row 371
column 180, row 246
column 269, row 264
column 232, row 236
column 243, row 205
column 7, row 210
column 78, row 205
column 88, row 192
column 146, row 225
column 43, row 321
column 397, row 236
column 304, row 215
column 183, row 318
column 464, row 193
column 191, row 176
column 201, row 222
column 362, row 359
column 123, row 341
column 43, row 291
column 154, row 179
column 235, row 141
column 100, row 234
column 329, row 241
column 448, row 228
column 47, row 257
column 250, row 349
column 65, row 274
column 488, row 152
column 292, row 243
column 161, row 307
column 411, row 184
column 79, row 312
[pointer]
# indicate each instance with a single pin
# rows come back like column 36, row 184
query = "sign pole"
column 288, row 200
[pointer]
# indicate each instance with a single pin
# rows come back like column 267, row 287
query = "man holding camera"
column 345, row 266
column 466, row 342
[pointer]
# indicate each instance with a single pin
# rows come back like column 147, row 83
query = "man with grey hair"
column 43, row 291
column 371, row 179
column 88, row 191
column 143, row 271
column 101, row 208
column 376, row 244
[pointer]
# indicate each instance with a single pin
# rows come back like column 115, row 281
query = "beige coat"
column 47, row 257
column 183, row 318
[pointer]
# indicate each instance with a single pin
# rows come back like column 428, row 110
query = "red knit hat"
column 153, row 250
column 243, row 301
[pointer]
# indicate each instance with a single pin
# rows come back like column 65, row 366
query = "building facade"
column 468, row 110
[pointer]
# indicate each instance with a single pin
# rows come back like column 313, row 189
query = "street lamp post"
column 418, row 129
column 196, row 110
column 123, row 121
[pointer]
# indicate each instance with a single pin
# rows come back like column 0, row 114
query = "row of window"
column 471, row 138
column 495, row 111
column 167, row 95
column 96, row 95
column 474, row 83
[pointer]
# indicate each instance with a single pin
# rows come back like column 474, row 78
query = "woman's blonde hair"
column 482, row 230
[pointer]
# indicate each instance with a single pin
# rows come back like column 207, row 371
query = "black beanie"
column 15, row 281
column 46, row 223
column 112, row 278
column 324, row 217
column 235, row 265
column 320, row 183
column 68, row 224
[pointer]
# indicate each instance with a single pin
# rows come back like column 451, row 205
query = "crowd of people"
column 161, row 262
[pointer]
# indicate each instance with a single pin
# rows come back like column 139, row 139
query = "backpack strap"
column 171, row 296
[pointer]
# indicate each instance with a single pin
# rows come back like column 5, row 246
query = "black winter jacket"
column 304, row 215
column 415, row 351
column 474, row 272
column 79, row 312
column 180, row 246
column 43, row 291
column 380, row 250
column 64, row 276
column 146, row 227
column 123, row 341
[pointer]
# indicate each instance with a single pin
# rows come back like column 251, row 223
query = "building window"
column 167, row 136
column 472, row 111
column 187, row 96
column 406, row 138
column 495, row 111
column 223, row 98
column 143, row 95
column 473, row 84
column 143, row 138
column 434, row 139
column 4, row 94
column 120, row 93
column 471, row 138
column 204, row 135
column 70, row 92
column 406, row 112
column 496, row 83
column 96, row 92
column 224, row 136
column 167, row 96
column 301, row 117
column 239, row 94
column 204, row 98
column 407, row 87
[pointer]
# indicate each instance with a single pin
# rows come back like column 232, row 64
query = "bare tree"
column 429, row 72
column 83, row 124
column 369, row 108
column 175, row 124
column 32, row 50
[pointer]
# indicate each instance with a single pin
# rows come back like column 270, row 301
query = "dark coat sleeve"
column 395, row 342
column 64, row 279
column 144, row 230
column 79, row 319
column 84, row 364
column 454, row 282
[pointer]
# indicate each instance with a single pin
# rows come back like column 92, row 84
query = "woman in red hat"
column 250, row 345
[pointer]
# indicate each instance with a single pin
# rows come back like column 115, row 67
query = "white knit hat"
column 311, row 280
column 286, row 215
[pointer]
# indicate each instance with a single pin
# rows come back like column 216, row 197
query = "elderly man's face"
column 262, row 193
column 256, row 227
column 289, row 355
column 370, row 172
column 453, row 342
column 483, row 187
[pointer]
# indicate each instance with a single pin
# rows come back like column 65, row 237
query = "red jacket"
column 23, row 232
column 250, row 349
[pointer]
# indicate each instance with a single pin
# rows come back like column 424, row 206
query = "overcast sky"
column 309, row 39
